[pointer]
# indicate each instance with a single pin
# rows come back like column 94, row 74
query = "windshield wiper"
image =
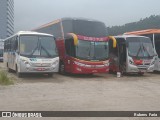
column 138, row 51
column 46, row 51
column 144, row 48
column 34, row 49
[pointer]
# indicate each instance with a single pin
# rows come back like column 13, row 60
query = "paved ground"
column 100, row 92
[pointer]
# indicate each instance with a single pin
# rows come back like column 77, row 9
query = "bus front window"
column 140, row 47
column 28, row 45
column 87, row 50
column 37, row 46
column 48, row 47
column 148, row 48
column 101, row 50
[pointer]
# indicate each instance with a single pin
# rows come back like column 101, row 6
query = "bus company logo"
column 6, row 114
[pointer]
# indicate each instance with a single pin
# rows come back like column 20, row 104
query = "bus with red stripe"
column 83, row 45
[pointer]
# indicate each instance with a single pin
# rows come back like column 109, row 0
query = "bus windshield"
column 37, row 46
column 140, row 47
column 88, row 50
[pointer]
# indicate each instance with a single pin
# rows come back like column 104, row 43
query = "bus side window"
column 16, row 44
column 5, row 46
column 12, row 44
column 9, row 45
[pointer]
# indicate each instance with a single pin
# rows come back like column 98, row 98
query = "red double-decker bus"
column 82, row 45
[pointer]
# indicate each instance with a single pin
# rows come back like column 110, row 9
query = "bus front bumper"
column 140, row 69
column 89, row 70
column 30, row 69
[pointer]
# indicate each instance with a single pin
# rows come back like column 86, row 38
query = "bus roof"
column 143, row 32
column 65, row 18
column 127, row 36
column 29, row 33
column 32, row 33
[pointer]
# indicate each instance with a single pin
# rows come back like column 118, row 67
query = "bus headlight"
column 131, row 62
column 152, row 63
column 25, row 62
column 106, row 64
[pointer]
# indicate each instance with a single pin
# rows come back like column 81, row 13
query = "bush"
column 4, row 79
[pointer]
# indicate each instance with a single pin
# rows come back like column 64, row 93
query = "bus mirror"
column 114, row 41
column 75, row 38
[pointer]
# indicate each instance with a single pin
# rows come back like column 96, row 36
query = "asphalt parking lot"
column 99, row 92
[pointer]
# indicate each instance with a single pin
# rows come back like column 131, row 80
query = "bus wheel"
column 8, row 69
column 50, row 74
column 18, row 73
column 61, row 69
column 141, row 73
column 123, row 69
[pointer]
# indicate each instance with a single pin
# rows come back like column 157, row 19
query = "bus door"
column 113, row 55
column 70, row 52
column 9, row 55
column 121, row 54
column 157, row 48
column 60, row 47
column 14, row 46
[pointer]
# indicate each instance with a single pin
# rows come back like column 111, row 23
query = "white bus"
column 132, row 54
column 154, row 34
column 31, row 52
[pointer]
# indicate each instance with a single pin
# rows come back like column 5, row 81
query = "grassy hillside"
column 150, row 22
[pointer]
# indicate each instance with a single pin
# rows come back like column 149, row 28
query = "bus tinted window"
column 54, row 29
column 85, row 28
column 67, row 26
column 89, row 28
column 157, row 44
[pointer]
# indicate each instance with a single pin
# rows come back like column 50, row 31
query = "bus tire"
column 19, row 75
column 123, row 69
column 61, row 68
column 141, row 73
column 8, row 69
column 50, row 74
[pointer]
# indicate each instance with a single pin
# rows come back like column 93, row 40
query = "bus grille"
column 41, row 64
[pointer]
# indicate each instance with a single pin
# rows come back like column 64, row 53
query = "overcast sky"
column 30, row 14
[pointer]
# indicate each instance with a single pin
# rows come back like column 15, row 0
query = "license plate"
column 40, row 69
column 146, row 61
